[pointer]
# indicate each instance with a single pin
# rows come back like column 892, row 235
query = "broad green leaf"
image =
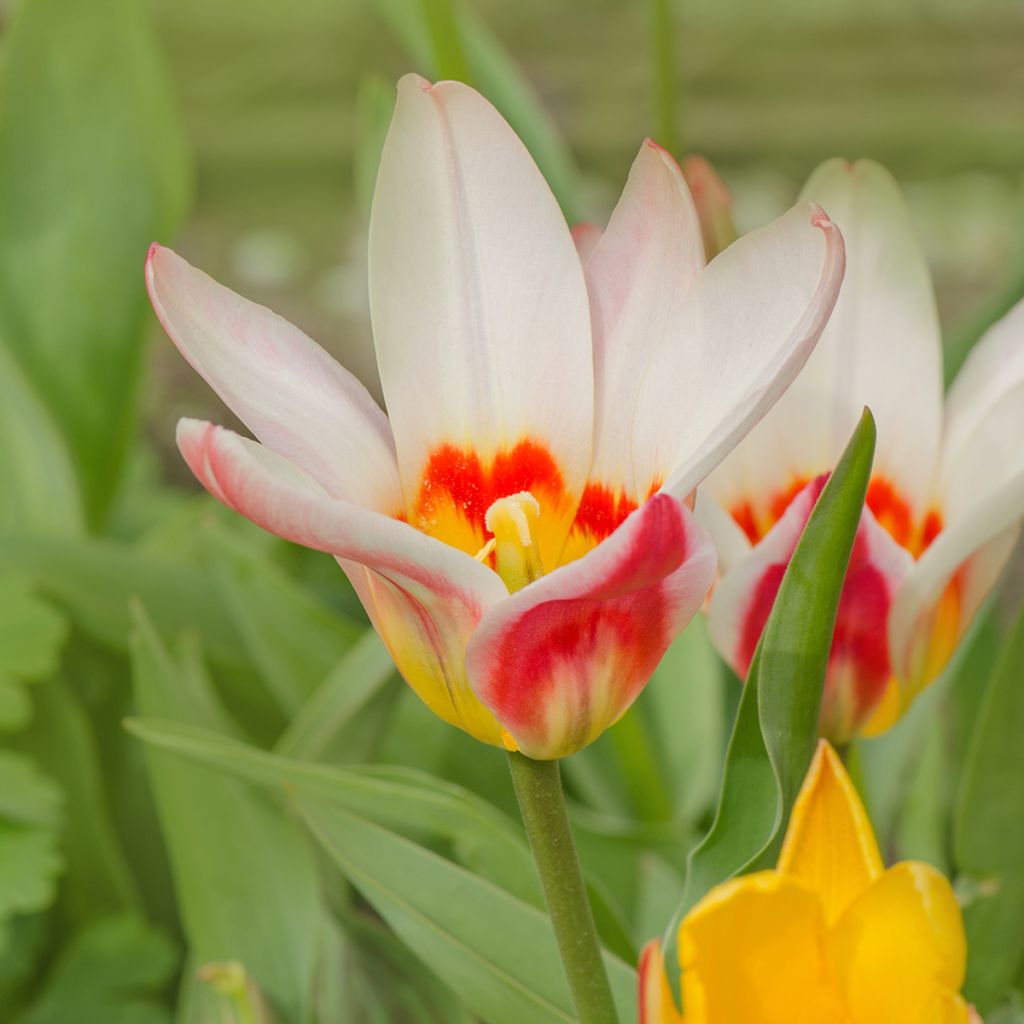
column 403, row 799
column 685, row 704
column 245, row 878
column 349, row 686
column 496, row 952
column 776, row 726
column 112, row 973
column 394, row 804
column 495, row 74
column 40, row 491
column 91, row 171
column 30, row 823
column 989, row 831
column 291, row 639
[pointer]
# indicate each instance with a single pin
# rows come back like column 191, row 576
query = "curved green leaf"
column 776, row 726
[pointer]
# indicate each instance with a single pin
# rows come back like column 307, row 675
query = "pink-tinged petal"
column 286, row 389
column 562, row 659
column 859, row 664
column 881, row 348
column 478, row 301
column 941, row 595
column 585, row 236
column 747, row 327
column 637, row 278
column 713, row 203
column 424, row 597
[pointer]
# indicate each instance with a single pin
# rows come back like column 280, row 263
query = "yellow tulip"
column 829, row 937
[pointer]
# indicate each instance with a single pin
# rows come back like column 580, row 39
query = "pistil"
column 513, row 522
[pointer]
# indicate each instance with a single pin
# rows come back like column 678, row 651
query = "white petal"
column 746, row 329
column 985, row 418
column 974, row 548
column 286, row 389
column 881, row 348
column 477, row 296
column 424, row 598
column 637, row 277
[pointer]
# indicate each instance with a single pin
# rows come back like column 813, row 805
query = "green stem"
column 665, row 85
column 445, row 40
column 538, row 786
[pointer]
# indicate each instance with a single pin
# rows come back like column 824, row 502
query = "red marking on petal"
column 603, row 510
column 930, row 530
column 755, row 522
column 891, row 511
column 457, row 483
column 593, row 650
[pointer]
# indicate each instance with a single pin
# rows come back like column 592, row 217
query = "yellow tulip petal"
column 656, row 1003
column 901, row 952
column 755, row 950
column 830, row 845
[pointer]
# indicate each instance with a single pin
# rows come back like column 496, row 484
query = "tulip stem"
column 665, row 83
column 538, row 786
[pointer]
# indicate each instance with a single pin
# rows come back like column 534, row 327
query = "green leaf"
column 91, row 171
column 380, row 809
column 30, row 822
column 291, row 639
column 988, row 831
column 245, row 878
column 404, row 799
column 348, row 688
column 110, row 974
column 496, row 952
column 375, row 103
column 776, row 726
column 40, row 491
column 685, row 704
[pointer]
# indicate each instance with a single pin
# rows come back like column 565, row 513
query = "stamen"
column 513, row 521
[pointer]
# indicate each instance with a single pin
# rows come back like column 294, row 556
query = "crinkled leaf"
column 30, row 822
column 112, row 973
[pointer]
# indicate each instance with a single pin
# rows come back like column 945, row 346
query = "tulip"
column 829, row 937
column 947, row 487
column 517, row 527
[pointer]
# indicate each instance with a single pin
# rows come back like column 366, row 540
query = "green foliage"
column 245, row 880
column 91, row 171
column 776, row 725
column 989, row 832
column 112, row 973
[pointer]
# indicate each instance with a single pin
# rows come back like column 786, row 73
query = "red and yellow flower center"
column 893, row 512
column 458, row 486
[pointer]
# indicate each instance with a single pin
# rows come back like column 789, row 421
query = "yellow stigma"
column 513, row 521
